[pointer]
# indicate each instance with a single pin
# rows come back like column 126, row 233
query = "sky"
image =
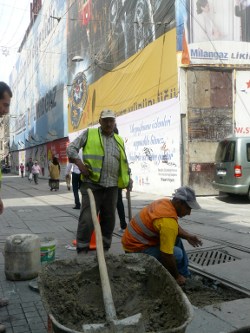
column 14, row 20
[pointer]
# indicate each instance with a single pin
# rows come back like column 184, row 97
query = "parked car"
column 232, row 166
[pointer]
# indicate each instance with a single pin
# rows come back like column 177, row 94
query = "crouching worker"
column 155, row 231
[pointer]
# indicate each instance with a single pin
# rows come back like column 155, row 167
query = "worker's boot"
column 2, row 328
column 83, row 250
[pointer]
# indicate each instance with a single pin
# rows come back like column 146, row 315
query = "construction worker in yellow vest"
column 103, row 168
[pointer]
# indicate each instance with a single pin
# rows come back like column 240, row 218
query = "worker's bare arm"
column 169, row 262
column 192, row 239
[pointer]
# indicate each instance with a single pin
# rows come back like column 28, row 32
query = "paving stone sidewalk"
column 33, row 209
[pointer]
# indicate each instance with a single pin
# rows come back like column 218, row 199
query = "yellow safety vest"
column 93, row 154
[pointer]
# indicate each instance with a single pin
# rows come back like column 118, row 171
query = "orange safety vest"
column 140, row 233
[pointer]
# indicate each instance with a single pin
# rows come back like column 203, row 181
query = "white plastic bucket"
column 48, row 250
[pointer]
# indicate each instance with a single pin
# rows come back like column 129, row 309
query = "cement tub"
column 72, row 295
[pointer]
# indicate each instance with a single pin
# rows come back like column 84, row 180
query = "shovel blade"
column 129, row 324
column 95, row 328
column 126, row 325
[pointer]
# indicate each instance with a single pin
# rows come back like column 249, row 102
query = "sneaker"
column 121, row 231
column 76, row 207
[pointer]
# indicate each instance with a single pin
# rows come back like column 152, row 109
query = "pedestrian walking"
column 29, row 166
column 22, row 169
column 54, row 171
column 156, row 232
column 35, row 171
column 73, row 171
column 5, row 98
column 103, row 168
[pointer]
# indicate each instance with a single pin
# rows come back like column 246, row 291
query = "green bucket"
column 48, row 250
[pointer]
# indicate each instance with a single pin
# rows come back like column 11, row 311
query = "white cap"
column 186, row 194
column 107, row 114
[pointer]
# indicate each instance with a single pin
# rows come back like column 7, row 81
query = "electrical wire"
column 7, row 26
column 16, row 30
column 96, row 42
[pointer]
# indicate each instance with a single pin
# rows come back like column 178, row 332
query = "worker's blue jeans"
column 179, row 253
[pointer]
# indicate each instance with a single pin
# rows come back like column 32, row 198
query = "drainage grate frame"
column 211, row 257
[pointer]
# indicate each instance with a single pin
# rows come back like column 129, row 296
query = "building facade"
column 38, row 119
column 214, row 61
column 168, row 69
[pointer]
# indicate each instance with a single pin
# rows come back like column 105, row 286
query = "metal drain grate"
column 213, row 257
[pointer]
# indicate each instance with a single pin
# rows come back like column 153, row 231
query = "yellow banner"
column 146, row 78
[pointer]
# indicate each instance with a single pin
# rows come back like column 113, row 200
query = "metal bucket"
column 146, row 287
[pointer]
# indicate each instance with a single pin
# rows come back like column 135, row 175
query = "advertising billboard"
column 125, row 57
column 152, row 141
column 213, row 32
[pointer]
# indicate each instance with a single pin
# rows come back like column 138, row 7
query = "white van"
column 232, row 166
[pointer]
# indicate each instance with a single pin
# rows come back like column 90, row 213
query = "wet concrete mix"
column 71, row 292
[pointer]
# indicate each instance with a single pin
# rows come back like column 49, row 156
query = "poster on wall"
column 58, row 149
column 152, row 141
column 242, row 101
column 213, row 32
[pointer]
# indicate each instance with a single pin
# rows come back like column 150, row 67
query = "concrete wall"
column 209, row 118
